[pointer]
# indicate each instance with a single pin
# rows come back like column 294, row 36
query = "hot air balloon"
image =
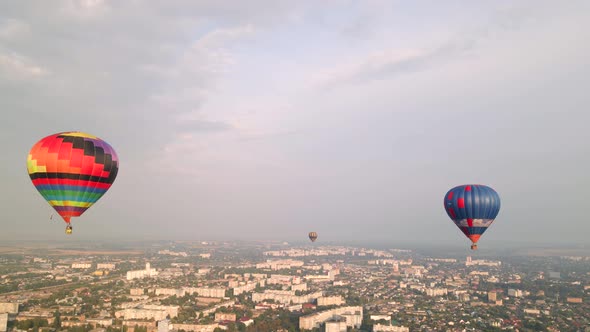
column 313, row 236
column 473, row 208
column 72, row 171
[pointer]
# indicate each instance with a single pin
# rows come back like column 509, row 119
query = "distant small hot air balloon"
column 72, row 171
column 473, row 208
column 313, row 236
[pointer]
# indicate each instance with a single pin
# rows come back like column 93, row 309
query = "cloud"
column 384, row 64
column 218, row 93
column 203, row 126
column 17, row 67
column 13, row 28
column 390, row 63
column 84, row 9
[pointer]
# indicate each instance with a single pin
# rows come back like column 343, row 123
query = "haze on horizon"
column 268, row 119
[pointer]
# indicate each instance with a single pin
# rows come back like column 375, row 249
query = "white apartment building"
column 301, row 287
column 389, row 328
column 514, row 292
column 169, row 291
column 330, row 300
column 155, row 312
column 3, row 322
column 280, row 264
column 247, row 287
column 105, row 266
column 436, row 291
column 283, row 279
column 140, row 274
column 352, row 315
column 285, row 296
column 205, row 292
column 336, row 326
column 195, row 327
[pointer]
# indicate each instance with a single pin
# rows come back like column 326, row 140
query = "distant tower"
column 468, row 260
column 147, row 266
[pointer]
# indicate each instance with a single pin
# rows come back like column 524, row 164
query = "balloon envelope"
column 72, row 171
column 473, row 208
column 313, row 236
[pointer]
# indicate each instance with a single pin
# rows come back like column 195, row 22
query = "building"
column 377, row 318
column 133, row 324
column 148, row 312
column 285, row 296
column 436, row 291
column 81, row 265
column 195, row 327
column 352, row 315
column 336, row 326
column 9, row 307
column 140, row 274
column 173, row 253
column 246, row 321
column 492, row 296
column 320, row 278
column 514, row 292
column 164, row 325
column 170, row 291
column 248, row 287
column 105, row 266
column 100, row 321
column 280, row 264
column 3, row 322
column 330, row 300
column 220, row 316
column 136, row 291
column 482, row 262
column 389, row 328
column 300, row 287
column 283, row 280
column 574, row 300
column 205, row 292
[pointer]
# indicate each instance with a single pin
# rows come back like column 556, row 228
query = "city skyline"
column 213, row 287
column 269, row 120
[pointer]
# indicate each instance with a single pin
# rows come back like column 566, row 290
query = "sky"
column 269, row 119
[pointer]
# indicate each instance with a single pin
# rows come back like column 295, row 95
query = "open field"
column 74, row 252
column 52, row 251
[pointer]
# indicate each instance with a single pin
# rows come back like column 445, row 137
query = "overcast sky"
column 269, row 119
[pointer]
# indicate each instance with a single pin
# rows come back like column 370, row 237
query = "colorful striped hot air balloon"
column 72, row 171
column 473, row 208
column 313, row 236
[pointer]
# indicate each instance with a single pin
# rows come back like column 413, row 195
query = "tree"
column 57, row 320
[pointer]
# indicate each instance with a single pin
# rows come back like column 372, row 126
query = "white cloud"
column 84, row 9
column 14, row 66
column 377, row 64
column 12, row 29
column 220, row 91
column 218, row 38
